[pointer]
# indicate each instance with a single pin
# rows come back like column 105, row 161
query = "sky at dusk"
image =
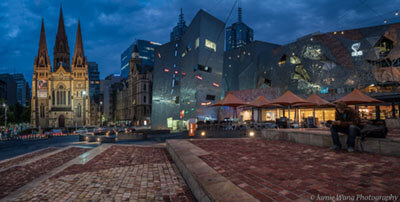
column 110, row 26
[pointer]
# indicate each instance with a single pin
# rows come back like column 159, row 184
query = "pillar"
column 378, row 113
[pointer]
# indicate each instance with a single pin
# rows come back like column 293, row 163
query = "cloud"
column 109, row 27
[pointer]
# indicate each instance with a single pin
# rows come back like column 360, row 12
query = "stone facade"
column 133, row 95
column 60, row 96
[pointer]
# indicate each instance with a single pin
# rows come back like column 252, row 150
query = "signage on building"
column 356, row 52
column 42, row 88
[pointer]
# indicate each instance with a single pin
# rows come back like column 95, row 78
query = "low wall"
column 323, row 138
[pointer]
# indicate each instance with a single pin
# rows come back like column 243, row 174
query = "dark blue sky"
column 108, row 27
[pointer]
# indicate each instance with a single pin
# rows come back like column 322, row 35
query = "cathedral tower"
column 61, row 49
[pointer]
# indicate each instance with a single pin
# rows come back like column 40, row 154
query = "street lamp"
column 84, row 108
column 5, row 115
column 100, row 113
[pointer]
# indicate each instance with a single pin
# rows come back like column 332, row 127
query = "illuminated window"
column 295, row 60
column 211, row 45
column 176, row 52
column 197, row 43
column 282, row 61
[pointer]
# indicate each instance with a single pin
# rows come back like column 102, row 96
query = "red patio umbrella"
column 230, row 101
column 358, row 97
column 260, row 102
column 288, row 99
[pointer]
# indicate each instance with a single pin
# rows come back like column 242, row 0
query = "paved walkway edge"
column 205, row 183
column 81, row 159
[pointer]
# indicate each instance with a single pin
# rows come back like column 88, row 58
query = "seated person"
column 348, row 122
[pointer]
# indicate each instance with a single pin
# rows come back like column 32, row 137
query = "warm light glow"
column 98, row 139
column 199, row 77
column 176, row 72
column 203, row 133
column 145, row 123
column 205, row 103
column 251, row 133
column 166, row 70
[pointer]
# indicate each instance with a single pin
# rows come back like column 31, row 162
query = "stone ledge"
column 206, row 183
column 383, row 146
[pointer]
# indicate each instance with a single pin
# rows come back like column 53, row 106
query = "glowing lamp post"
column 84, row 107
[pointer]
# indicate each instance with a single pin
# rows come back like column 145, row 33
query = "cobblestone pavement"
column 15, row 161
column 121, row 173
column 18, row 176
column 284, row 171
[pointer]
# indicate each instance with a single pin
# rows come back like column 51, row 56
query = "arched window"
column 42, row 111
column 79, row 110
column 61, row 96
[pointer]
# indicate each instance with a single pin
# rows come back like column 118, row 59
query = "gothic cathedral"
column 60, row 95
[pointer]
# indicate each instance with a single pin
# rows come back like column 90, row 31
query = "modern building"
column 146, row 52
column 28, row 95
column 242, row 66
column 179, row 30
column 60, row 94
column 332, row 65
column 107, row 98
column 94, row 93
column 187, row 74
column 238, row 34
column 21, row 88
column 9, row 92
column 94, row 80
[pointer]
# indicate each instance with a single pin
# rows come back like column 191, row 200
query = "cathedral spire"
column 79, row 59
column 61, row 49
column 42, row 59
column 135, row 52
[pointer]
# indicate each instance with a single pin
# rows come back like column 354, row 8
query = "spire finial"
column 240, row 14
column 181, row 21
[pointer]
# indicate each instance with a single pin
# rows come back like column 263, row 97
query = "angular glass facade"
column 146, row 52
column 187, row 74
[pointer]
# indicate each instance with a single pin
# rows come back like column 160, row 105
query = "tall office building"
column 238, row 34
column 146, row 52
column 94, row 80
column 21, row 88
column 10, row 89
column 187, row 74
column 179, row 30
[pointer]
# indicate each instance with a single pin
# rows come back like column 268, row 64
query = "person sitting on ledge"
column 348, row 122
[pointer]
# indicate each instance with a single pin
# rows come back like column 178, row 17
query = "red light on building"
column 159, row 55
column 199, row 77
column 215, row 84
column 166, row 70
column 183, row 73
column 176, row 72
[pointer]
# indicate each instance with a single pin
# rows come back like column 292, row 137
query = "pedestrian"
column 348, row 122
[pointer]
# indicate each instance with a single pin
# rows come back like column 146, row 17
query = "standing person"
column 348, row 122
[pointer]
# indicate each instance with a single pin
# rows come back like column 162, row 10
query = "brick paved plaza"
column 128, row 173
column 284, row 171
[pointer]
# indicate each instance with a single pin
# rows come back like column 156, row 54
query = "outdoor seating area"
column 288, row 111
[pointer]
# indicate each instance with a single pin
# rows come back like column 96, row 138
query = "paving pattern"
column 120, row 173
column 17, row 160
column 285, row 171
column 18, row 176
